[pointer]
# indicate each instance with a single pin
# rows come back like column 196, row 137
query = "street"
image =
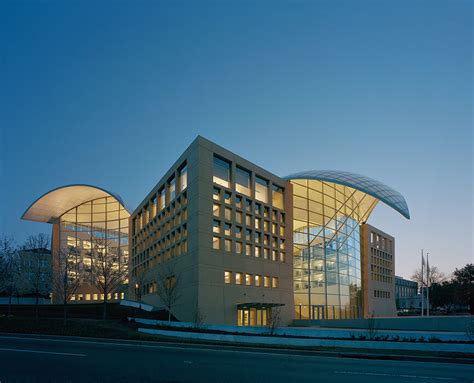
column 28, row 359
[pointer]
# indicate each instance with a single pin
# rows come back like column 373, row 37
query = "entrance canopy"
column 256, row 305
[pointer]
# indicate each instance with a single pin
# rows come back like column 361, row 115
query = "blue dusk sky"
column 111, row 93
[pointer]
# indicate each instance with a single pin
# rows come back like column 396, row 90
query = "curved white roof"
column 51, row 205
column 365, row 184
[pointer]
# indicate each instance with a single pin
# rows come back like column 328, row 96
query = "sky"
column 111, row 94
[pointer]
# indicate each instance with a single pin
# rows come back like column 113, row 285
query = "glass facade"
column 326, row 249
column 87, row 226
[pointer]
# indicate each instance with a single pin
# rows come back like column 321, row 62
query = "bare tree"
column 35, row 267
column 436, row 276
column 108, row 274
column 66, row 277
column 274, row 319
column 9, row 270
column 138, row 283
column 167, row 287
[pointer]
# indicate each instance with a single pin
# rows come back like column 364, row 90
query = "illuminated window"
column 228, row 213
column 277, row 197
column 238, row 217
column 274, row 282
column 183, row 178
column 238, row 232
column 238, row 201
column 216, row 227
column 227, row 229
column 216, row 194
column 88, row 297
column 266, row 253
column 227, row 277
column 282, row 256
column 258, row 280
column 172, row 189
column 274, row 255
column 238, row 278
column 242, row 181
column 248, row 250
column 228, row 245
column 248, row 235
column 216, row 210
column 216, row 243
column 261, row 189
column 257, row 252
column 227, row 197
column 266, row 281
column 221, row 172
column 257, row 223
column 248, row 280
column 238, row 247
column 248, row 220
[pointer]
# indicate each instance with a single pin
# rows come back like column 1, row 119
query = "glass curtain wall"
column 91, row 225
column 326, row 237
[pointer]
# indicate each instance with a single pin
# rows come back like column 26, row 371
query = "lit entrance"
column 255, row 314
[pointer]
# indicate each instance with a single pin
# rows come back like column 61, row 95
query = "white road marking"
column 41, row 352
column 393, row 375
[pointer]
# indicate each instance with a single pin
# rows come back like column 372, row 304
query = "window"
column 258, row 237
column 274, row 255
column 266, row 240
column 216, row 194
column 221, row 172
column 238, row 278
column 266, row 253
column 238, row 232
column 216, row 226
column 266, row 212
column 248, row 235
column 282, row 231
column 266, row 225
column 248, row 220
column 227, row 197
column 282, row 256
column 227, row 277
column 216, row 243
column 274, row 282
column 228, row 213
column 258, row 209
column 228, row 245
column 172, row 189
column 257, row 223
column 274, row 228
column 238, row 217
column 248, row 205
column 248, row 250
column 216, row 210
column 266, row 281
column 242, row 181
column 227, row 229
column 238, row 201
column 162, row 198
column 257, row 252
column 261, row 189
column 183, row 178
column 258, row 280
column 238, row 247
column 248, row 280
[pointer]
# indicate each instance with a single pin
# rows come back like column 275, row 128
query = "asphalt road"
column 26, row 359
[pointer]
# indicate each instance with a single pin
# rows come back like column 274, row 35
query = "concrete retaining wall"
column 432, row 323
column 281, row 341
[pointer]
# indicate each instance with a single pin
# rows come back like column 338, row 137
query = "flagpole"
column 427, row 285
column 422, row 279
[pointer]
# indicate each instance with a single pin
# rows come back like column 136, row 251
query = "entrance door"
column 318, row 312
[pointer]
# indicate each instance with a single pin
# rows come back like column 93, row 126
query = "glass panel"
column 242, row 181
column 277, row 197
column 221, row 172
column 261, row 189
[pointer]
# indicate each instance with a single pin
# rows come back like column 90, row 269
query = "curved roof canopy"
column 367, row 185
column 51, row 205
